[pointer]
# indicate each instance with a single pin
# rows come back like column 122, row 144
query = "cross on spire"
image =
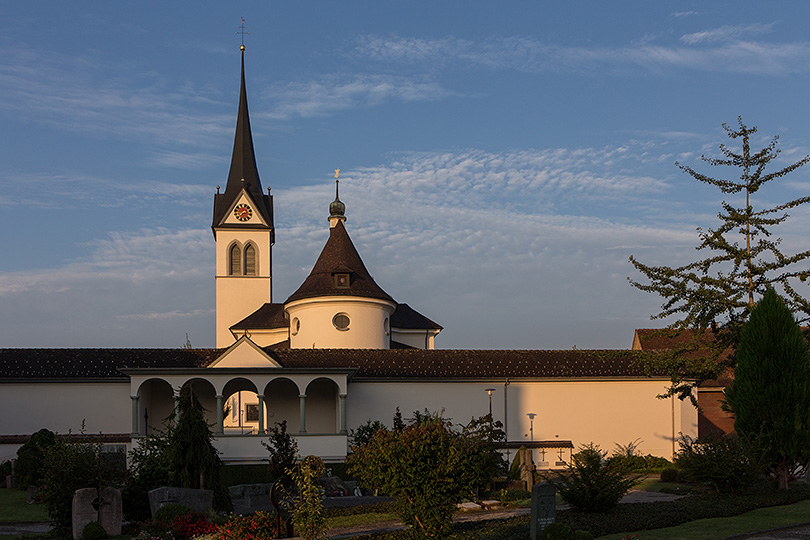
column 242, row 31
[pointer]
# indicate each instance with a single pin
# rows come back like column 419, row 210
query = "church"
column 338, row 352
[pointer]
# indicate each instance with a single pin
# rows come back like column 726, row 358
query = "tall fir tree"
column 194, row 461
column 770, row 396
column 711, row 298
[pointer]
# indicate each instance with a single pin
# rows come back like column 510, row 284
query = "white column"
column 220, row 417
column 342, row 412
column 302, row 406
column 135, row 416
column 261, row 413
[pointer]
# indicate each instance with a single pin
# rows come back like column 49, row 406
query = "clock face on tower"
column 242, row 212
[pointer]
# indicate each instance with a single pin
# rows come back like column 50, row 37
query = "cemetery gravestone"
column 101, row 505
column 199, row 500
column 544, row 508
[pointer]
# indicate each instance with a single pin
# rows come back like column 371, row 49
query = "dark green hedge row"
column 627, row 517
column 387, row 507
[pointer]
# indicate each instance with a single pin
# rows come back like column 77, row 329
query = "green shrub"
column 167, row 513
column 561, row 531
column 283, row 451
column 428, row 466
column 669, row 475
column 307, row 514
column 69, row 466
column 592, row 484
column 94, row 531
column 727, row 464
column 30, row 458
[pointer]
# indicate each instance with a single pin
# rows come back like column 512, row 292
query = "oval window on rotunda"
column 295, row 326
column 341, row 321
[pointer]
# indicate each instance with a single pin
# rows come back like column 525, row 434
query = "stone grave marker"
column 199, row 500
column 544, row 508
column 101, row 505
column 526, row 468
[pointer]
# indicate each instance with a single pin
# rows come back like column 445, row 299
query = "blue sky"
column 499, row 161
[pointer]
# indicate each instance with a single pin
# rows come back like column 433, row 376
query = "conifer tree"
column 741, row 261
column 194, row 462
column 770, row 396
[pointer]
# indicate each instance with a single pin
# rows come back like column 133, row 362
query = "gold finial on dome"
column 337, row 210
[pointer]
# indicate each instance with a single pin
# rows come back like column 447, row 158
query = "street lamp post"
column 489, row 392
column 531, row 416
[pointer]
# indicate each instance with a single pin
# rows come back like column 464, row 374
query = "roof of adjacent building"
column 407, row 318
column 681, row 341
column 339, row 256
column 243, row 167
column 267, row 317
column 67, row 364
column 271, row 316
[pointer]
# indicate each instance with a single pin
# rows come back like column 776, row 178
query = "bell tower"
column 243, row 231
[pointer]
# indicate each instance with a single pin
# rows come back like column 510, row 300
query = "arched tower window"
column 250, row 260
column 235, row 260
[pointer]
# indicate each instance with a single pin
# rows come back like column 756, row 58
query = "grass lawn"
column 714, row 528
column 14, row 508
column 358, row 519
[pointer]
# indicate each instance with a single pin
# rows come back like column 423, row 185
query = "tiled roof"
column 445, row 363
column 267, row 317
column 407, row 318
column 68, row 364
column 95, row 363
column 339, row 256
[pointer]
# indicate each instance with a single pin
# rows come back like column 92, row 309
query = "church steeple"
column 243, row 231
column 243, row 174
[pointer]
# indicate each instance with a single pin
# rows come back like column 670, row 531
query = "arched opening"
column 250, row 260
column 281, row 401
column 241, row 408
column 235, row 260
column 322, row 406
column 155, row 406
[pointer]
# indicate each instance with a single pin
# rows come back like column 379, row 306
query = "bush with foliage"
column 561, row 531
column 259, row 526
column 427, row 466
column 94, row 531
column 364, row 432
column 308, row 514
column 628, row 458
column 30, row 457
column 283, row 451
column 149, row 469
column 727, row 464
column 592, row 483
column 669, row 474
column 69, row 466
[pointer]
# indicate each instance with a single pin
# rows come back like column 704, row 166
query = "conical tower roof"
column 339, row 256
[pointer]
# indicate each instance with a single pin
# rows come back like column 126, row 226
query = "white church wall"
column 604, row 412
column 104, row 407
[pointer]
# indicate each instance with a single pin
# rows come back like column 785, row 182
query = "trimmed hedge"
column 626, row 517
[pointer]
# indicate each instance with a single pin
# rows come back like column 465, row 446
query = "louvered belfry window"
column 250, row 260
column 235, row 257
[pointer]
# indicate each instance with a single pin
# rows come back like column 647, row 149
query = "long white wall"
column 603, row 412
column 104, row 407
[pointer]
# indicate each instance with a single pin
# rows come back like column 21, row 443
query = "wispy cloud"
column 726, row 33
column 335, row 93
column 711, row 50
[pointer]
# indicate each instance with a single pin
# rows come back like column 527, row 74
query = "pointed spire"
column 243, row 174
column 243, row 160
column 337, row 210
